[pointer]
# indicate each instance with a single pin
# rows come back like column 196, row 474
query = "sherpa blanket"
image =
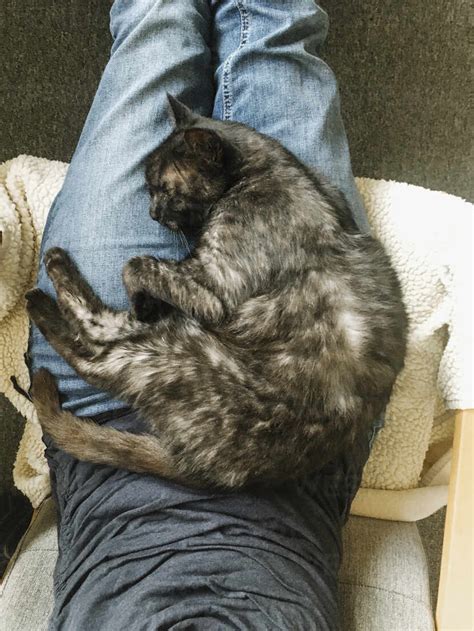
column 429, row 238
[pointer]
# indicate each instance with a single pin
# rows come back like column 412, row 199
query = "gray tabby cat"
column 257, row 359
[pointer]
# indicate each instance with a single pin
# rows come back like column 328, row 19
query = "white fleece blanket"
column 429, row 238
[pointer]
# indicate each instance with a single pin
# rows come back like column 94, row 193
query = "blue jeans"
column 139, row 552
column 256, row 62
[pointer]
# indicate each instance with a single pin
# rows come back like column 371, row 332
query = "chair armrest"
column 455, row 597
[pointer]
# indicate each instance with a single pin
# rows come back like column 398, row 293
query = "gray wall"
column 405, row 74
column 403, row 69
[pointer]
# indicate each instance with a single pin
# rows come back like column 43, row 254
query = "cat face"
column 187, row 174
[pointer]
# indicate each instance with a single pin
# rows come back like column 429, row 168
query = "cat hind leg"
column 97, row 364
column 45, row 313
column 66, row 277
column 81, row 305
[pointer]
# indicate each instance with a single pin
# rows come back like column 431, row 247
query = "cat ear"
column 206, row 143
column 180, row 114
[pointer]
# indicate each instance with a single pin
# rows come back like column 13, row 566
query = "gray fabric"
column 431, row 532
column 404, row 74
column 140, row 552
column 26, row 592
column 383, row 580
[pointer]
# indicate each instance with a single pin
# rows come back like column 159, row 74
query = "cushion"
column 383, row 580
column 26, row 592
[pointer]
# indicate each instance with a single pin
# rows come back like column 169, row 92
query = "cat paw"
column 145, row 308
column 56, row 257
column 133, row 271
column 35, row 297
column 60, row 267
column 139, row 263
column 40, row 307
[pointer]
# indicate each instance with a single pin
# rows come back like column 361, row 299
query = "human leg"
column 139, row 552
column 101, row 214
column 269, row 75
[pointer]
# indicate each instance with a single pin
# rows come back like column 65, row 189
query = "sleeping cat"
column 257, row 359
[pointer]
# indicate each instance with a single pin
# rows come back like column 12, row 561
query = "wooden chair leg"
column 456, row 589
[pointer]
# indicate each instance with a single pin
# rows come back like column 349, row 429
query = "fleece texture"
column 428, row 236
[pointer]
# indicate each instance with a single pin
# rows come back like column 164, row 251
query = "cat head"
column 189, row 172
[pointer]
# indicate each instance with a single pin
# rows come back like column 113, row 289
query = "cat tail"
column 86, row 440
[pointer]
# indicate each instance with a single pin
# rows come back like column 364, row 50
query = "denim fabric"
column 268, row 75
column 255, row 62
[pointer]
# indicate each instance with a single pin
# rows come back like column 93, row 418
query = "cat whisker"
column 184, row 241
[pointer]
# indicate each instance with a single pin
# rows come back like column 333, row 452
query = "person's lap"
column 137, row 551
column 141, row 553
column 266, row 75
column 101, row 214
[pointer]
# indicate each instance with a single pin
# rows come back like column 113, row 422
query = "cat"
column 260, row 357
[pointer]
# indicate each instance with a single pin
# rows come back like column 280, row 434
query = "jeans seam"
column 227, row 100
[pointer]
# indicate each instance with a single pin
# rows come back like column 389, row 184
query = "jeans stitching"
column 227, row 71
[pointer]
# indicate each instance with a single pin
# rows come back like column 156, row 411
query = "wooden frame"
column 456, row 588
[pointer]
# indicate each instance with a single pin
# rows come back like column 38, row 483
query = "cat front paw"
column 134, row 271
column 60, row 266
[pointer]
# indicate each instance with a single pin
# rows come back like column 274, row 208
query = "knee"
column 304, row 22
column 125, row 15
column 279, row 23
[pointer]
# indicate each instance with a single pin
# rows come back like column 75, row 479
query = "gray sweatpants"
column 140, row 553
